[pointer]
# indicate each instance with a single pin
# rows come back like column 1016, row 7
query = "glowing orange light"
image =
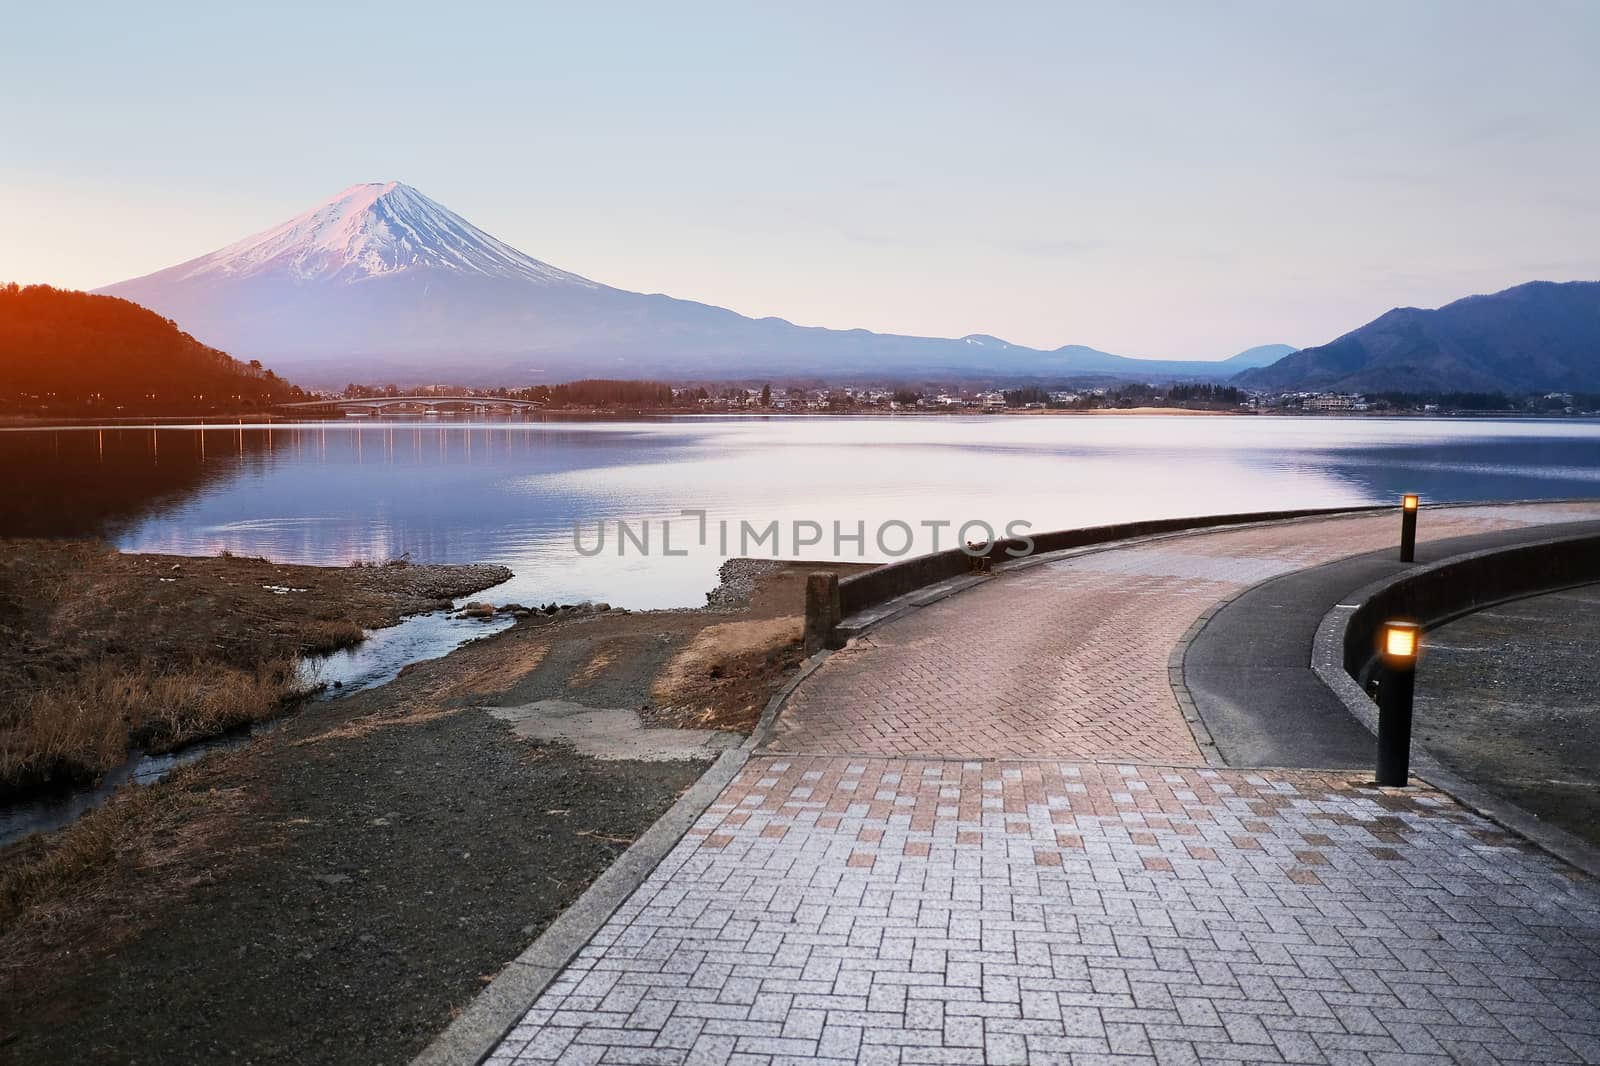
column 1400, row 639
column 1409, row 502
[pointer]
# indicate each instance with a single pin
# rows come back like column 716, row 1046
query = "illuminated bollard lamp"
column 1408, row 528
column 1398, row 655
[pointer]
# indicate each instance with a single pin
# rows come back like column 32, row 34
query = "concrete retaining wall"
column 892, row 580
column 1433, row 595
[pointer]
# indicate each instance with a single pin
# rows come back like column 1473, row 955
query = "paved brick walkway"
column 1103, row 900
column 1070, row 658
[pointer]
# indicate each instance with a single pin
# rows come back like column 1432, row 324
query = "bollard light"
column 1400, row 640
column 1398, row 644
column 1408, row 527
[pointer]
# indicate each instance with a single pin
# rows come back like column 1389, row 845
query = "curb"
column 1177, row 661
column 768, row 722
column 1180, row 684
column 1327, row 662
column 493, row 1012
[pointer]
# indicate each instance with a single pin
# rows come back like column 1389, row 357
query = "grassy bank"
column 85, row 725
column 101, row 651
column 80, row 889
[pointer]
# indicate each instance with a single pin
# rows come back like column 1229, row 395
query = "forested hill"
column 1533, row 338
column 64, row 352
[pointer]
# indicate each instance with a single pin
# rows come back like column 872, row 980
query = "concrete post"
column 822, row 611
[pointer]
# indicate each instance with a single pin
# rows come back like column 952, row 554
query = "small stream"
column 379, row 659
column 375, row 661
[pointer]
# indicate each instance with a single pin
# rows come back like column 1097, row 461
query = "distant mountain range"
column 70, row 351
column 1542, row 336
column 382, row 283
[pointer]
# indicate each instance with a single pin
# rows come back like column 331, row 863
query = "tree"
column 1025, row 396
column 63, row 350
column 766, row 396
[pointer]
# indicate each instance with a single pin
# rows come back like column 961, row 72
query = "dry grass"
column 84, row 726
column 84, row 886
column 723, row 678
column 325, row 636
column 602, row 658
column 715, row 649
column 368, row 724
column 373, row 564
column 497, row 669
column 100, row 650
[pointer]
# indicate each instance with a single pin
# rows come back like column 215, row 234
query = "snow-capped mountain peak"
column 368, row 231
column 381, row 283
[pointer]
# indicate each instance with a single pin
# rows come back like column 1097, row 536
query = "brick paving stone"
column 1072, row 886
column 1127, row 947
column 1069, row 658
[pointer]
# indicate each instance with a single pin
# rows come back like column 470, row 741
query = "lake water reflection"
column 510, row 492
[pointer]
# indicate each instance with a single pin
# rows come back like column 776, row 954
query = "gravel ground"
column 1510, row 698
column 739, row 581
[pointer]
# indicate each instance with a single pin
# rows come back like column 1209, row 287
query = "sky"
column 1165, row 180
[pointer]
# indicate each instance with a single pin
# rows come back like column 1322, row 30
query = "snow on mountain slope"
column 382, row 283
column 368, row 231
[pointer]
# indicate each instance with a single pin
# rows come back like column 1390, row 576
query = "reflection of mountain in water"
column 94, row 482
column 323, row 493
column 513, row 492
column 443, row 492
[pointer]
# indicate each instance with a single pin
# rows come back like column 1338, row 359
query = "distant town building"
column 1333, row 401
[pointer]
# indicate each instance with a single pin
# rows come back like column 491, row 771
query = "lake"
column 511, row 492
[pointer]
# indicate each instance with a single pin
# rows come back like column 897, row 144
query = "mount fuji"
column 382, row 283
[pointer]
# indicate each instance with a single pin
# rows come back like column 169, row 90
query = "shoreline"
column 104, row 653
column 24, row 423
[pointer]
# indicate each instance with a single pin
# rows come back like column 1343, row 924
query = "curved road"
column 985, row 833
